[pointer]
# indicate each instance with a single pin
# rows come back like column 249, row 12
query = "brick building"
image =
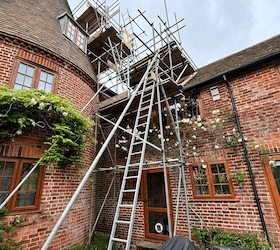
column 246, row 86
column 229, row 185
column 234, row 185
column 34, row 45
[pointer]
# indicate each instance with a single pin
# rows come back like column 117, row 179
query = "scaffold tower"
column 136, row 77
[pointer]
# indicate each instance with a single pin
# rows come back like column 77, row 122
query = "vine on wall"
column 23, row 111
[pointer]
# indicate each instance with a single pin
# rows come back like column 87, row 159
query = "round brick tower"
column 42, row 37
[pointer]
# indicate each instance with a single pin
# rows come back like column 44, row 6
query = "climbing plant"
column 66, row 129
column 7, row 232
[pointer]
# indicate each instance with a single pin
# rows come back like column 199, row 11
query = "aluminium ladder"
column 125, row 210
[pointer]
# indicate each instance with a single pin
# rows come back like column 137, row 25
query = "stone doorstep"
column 145, row 245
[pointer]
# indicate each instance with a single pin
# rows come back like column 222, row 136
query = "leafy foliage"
column 218, row 237
column 7, row 232
column 26, row 110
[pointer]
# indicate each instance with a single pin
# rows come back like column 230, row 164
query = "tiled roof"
column 240, row 59
column 35, row 21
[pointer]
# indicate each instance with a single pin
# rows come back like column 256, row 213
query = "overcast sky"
column 214, row 28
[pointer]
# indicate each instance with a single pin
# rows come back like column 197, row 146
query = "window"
column 75, row 35
column 211, row 181
column 71, row 29
column 192, row 106
column 81, row 40
column 28, row 196
column 187, row 108
column 30, row 76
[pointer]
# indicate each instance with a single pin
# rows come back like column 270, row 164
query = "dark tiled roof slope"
column 237, row 60
column 35, row 21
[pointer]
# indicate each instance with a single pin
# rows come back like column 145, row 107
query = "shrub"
column 242, row 240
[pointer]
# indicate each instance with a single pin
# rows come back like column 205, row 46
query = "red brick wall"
column 256, row 94
column 59, row 183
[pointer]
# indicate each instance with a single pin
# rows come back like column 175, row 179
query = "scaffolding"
column 138, row 71
column 136, row 75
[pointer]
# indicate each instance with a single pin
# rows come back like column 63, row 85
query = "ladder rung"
column 126, row 205
column 141, row 124
column 120, row 240
column 143, row 116
column 147, row 101
column 129, row 190
column 123, row 221
column 131, row 177
column 148, row 94
column 136, row 153
column 144, row 108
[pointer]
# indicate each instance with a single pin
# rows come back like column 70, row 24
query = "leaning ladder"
column 125, row 210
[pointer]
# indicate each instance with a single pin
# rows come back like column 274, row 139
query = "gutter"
column 244, row 149
column 232, row 71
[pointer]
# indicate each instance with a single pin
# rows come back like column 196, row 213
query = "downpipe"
column 256, row 196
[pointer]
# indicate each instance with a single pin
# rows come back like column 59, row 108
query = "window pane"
column 71, row 31
column 24, row 77
column 22, row 68
column 41, row 85
column 27, row 192
column 46, row 81
column 6, row 174
column 43, row 76
column 200, row 180
column 220, row 179
column 30, row 71
column 20, row 79
column 18, row 86
column 81, row 40
column 27, row 81
column 50, row 78
column 156, row 191
column 48, row 88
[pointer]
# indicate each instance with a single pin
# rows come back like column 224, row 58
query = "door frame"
column 151, row 236
column 273, row 190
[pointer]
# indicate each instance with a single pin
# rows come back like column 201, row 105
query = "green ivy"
column 242, row 240
column 7, row 232
column 66, row 129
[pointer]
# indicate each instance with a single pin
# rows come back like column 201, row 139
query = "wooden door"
column 155, row 209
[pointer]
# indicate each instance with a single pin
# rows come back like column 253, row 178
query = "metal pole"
column 177, row 201
column 164, row 158
column 187, row 202
column 94, row 163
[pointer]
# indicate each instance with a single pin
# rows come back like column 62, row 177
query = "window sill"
column 20, row 212
column 214, row 199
